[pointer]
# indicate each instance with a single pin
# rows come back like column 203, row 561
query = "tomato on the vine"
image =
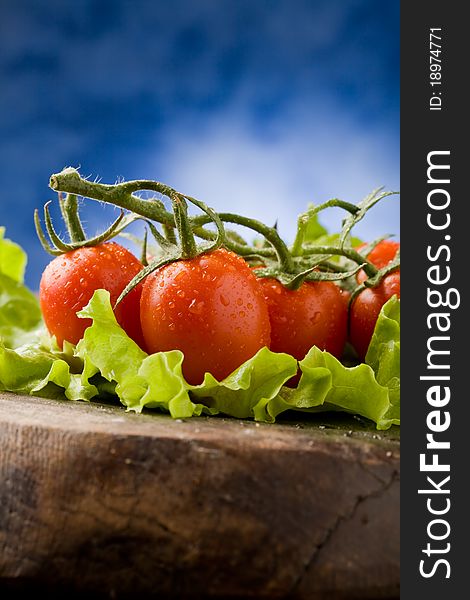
column 210, row 307
column 315, row 314
column 380, row 256
column 69, row 281
column 365, row 310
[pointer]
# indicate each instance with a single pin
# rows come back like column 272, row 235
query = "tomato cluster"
column 212, row 307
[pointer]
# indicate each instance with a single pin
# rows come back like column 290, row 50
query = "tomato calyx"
column 187, row 248
column 385, row 256
column 376, row 281
column 293, row 281
column 316, row 262
column 77, row 238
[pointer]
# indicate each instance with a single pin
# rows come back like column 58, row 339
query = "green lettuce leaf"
column 251, row 389
column 34, row 369
column 13, row 258
column 313, row 229
column 326, row 384
column 383, row 354
column 153, row 381
column 20, row 315
column 332, row 239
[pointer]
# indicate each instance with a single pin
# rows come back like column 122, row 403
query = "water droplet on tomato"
column 171, row 305
column 249, row 306
column 239, row 302
column 196, row 307
column 180, row 293
column 225, row 301
column 171, row 326
column 241, row 313
column 315, row 318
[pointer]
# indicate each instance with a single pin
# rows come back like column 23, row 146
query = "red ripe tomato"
column 68, row 283
column 210, row 307
column 380, row 256
column 315, row 314
column 365, row 310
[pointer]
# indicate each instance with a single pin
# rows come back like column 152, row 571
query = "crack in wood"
column 330, row 531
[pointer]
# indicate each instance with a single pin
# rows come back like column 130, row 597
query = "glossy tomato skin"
column 68, row 283
column 365, row 310
column 315, row 314
column 211, row 308
column 380, row 256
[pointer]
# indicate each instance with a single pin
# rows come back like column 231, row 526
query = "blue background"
column 253, row 106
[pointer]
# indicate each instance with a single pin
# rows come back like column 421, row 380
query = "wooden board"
column 117, row 505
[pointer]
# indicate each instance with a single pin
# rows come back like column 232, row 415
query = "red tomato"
column 365, row 310
column 315, row 314
column 380, row 256
column 210, row 307
column 68, row 283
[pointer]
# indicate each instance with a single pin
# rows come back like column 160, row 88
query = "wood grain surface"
column 97, row 502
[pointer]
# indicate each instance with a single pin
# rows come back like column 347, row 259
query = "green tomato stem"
column 69, row 210
column 169, row 232
column 286, row 261
column 347, row 252
column 187, row 241
column 122, row 195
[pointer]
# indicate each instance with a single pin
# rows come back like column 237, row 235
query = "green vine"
column 303, row 261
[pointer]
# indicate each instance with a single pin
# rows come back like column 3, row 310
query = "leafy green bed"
column 107, row 362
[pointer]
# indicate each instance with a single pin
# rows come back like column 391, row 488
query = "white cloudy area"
column 274, row 177
column 258, row 107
